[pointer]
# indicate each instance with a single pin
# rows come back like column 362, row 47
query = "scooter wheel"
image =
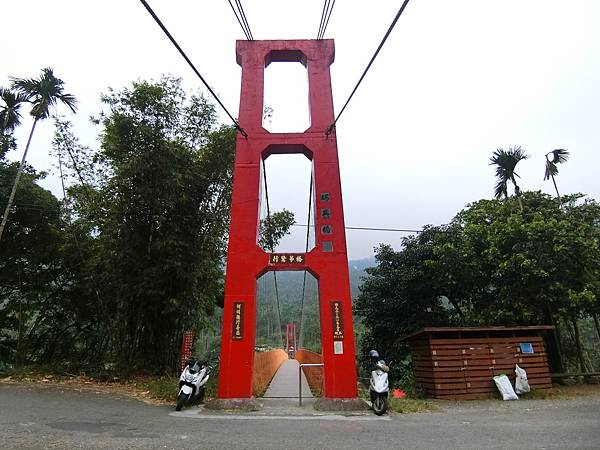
column 181, row 399
column 379, row 406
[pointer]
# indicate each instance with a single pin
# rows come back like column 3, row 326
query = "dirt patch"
column 136, row 388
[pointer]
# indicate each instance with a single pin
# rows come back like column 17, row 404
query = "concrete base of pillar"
column 234, row 404
column 341, row 404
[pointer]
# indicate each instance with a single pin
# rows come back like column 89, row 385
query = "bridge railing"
column 314, row 374
column 300, row 367
column 266, row 365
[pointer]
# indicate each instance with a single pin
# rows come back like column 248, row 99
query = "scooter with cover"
column 192, row 383
column 379, row 386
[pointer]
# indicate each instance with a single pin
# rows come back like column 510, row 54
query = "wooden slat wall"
column 463, row 368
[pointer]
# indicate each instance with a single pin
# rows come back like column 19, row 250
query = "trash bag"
column 521, row 383
column 505, row 388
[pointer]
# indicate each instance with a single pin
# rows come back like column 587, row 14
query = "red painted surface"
column 245, row 260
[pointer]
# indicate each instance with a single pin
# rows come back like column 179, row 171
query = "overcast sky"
column 456, row 80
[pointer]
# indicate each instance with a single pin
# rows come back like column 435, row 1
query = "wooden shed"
column 459, row 363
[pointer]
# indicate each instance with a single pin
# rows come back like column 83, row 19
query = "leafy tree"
column 505, row 162
column 490, row 266
column 395, row 299
column 274, row 227
column 28, row 260
column 10, row 118
column 559, row 156
column 160, row 218
column 44, row 93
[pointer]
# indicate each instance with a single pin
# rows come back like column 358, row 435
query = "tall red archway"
column 246, row 261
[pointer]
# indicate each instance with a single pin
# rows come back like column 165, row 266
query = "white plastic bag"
column 521, row 383
column 505, row 388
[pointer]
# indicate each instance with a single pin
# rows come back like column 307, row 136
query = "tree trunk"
column 11, row 198
column 556, row 188
column 578, row 344
column 555, row 345
column 595, row 316
column 457, row 308
column 517, row 192
column 569, row 329
column 19, row 356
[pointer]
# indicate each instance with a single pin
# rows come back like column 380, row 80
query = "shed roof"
column 434, row 330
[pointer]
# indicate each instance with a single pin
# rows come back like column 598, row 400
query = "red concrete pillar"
column 328, row 261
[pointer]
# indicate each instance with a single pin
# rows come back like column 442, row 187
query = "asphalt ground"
column 37, row 416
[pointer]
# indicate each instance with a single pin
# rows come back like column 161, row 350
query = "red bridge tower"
column 246, row 261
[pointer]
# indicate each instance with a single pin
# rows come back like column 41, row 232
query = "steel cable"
column 325, row 16
column 332, row 127
column 174, row 42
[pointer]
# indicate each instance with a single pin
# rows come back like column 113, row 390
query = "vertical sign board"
column 337, row 318
column 187, row 343
column 238, row 321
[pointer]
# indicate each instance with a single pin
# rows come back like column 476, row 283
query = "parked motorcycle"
column 379, row 387
column 192, row 383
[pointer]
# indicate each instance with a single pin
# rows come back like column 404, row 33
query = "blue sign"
column 526, row 347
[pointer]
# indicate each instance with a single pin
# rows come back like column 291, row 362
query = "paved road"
column 41, row 417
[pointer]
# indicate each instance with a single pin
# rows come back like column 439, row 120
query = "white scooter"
column 379, row 387
column 192, row 383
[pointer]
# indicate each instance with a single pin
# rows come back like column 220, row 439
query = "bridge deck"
column 285, row 382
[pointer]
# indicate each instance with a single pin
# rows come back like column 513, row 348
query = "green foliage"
column 10, row 118
column 28, row 260
column 505, row 162
column 411, row 405
column 559, row 156
column 44, row 93
column 489, row 266
column 274, row 227
column 138, row 257
column 163, row 388
column 157, row 221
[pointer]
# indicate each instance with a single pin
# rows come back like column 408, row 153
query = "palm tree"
column 10, row 116
column 505, row 162
column 559, row 156
column 43, row 93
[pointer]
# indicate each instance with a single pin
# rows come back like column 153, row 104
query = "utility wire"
column 402, row 230
column 243, row 24
column 325, row 15
column 33, row 206
column 332, row 127
column 174, row 42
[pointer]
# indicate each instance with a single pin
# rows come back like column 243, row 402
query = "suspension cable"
column 306, row 250
column 244, row 19
column 332, row 127
column 174, row 42
column 325, row 15
column 272, row 249
column 241, row 20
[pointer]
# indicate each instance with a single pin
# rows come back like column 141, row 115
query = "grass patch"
column 163, row 388
column 543, row 394
column 411, row 405
column 406, row 405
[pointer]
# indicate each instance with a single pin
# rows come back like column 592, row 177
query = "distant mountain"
column 357, row 268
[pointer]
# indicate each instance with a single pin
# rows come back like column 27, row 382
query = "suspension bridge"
column 254, row 359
